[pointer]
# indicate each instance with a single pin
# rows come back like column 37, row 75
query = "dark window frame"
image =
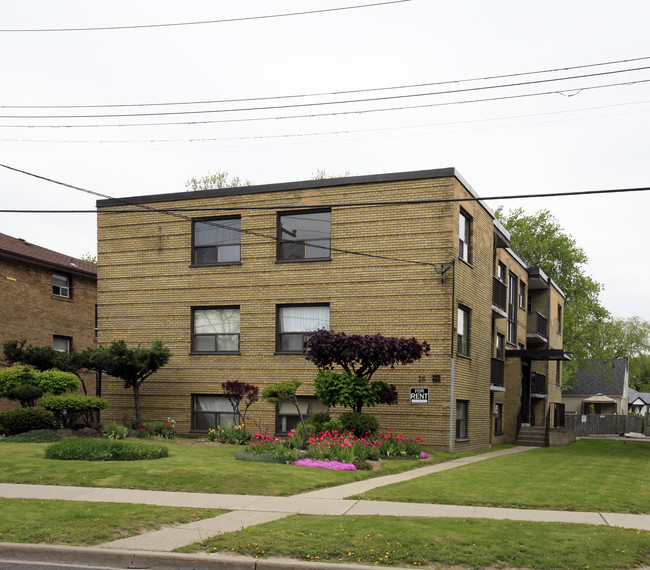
column 306, row 416
column 462, row 422
column 305, row 334
column 216, row 335
column 195, row 247
column 502, row 272
column 465, row 249
column 498, row 419
column 522, row 295
column 281, row 241
column 463, row 348
column 195, row 414
column 500, row 353
column 513, row 303
column 559, row 319
column 68, row 339
column 68, row 288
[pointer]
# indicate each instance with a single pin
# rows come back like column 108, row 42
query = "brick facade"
column 384, row 275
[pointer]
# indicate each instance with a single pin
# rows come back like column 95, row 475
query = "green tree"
column 286, row 392
column 322, row 174
column 640, row 373
column 540, row 241
column 615, row 338
column 135, row 365
column 216, row 180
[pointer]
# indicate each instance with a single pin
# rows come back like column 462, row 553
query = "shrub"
column 86, row 449
column 20, row 420
column 13, row 377
column 166, row 429
column 145, row 431
column 57, row 382
column 68, row 409
column 113, row 431
column 27, row 394
column 359, row 424
column 35, row 436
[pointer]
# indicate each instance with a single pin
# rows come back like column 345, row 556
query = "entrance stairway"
column 532, row 436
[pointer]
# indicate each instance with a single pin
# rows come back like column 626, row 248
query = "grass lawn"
column 414, row 541
column 78, row 523
column 196, row 468
column 589, row 475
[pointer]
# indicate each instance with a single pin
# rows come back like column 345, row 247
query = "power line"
column 329, row 103
column 339, row 113
column 331, row 93
column 203, row 22
column 322, row 133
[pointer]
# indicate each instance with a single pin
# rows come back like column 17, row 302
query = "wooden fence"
column 603, row 424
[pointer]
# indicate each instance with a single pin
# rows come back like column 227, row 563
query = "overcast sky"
column 533, row 134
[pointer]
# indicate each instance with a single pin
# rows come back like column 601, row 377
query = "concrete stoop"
column 532, row 436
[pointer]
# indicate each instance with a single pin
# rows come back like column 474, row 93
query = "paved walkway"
column 250, row 510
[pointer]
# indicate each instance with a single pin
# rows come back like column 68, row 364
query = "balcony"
column 498, row 372
column 499, row 299
column 538, row 386
column 537, row 332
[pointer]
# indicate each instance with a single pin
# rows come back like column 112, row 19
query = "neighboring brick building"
column 232, row 280
column 46, row 298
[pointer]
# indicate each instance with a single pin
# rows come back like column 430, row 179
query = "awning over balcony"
column 540, row 354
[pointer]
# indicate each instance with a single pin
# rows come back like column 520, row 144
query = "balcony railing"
column 537, row 327
column 498, row 372
column 538, row 383
column 499, row 294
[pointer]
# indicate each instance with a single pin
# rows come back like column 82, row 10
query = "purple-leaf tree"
column 239, row 393
column 360, row 356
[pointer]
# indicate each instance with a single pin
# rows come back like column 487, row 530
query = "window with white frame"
column 61, row 285
column 216, row 241
column 211, row 411
column 296, row 323
column 61, row 343
column 287, row 417
column 465, row 237
column 215, row 329
column 463, row 331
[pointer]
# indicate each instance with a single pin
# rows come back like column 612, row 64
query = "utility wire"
column 203, row 22
column 322, row 133
column 329, row 103
column 339, row 113
column 331, row 93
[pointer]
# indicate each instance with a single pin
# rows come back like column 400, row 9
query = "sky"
column 519, row 97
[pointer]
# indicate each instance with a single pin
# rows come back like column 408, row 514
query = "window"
column 304, row 235
column 559, row 319
column 501, row 272
column 463, row 331
column 461, row 419
column 61, row 343
column 287, row 417
column 500, row 342
column 512, row 309
column 216, row 241
column 464, row 237
column 61, row 285
column 498, row 419
column 522, row 295
column 215, row 329
column 96, row 323
column 295, row 322
column 558, row 372
column 209, row 412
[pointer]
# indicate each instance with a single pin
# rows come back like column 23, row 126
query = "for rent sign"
column 419, row 395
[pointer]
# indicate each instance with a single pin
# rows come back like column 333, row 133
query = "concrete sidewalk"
column 250, row 510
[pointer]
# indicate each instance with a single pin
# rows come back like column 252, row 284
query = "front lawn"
column 415, row 541
column 210, row 468
column 77, row 523
column 589, row 475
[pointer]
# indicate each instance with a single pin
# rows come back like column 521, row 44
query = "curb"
column 93, row 556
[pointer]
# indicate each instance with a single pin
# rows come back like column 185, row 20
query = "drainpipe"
column 451, row 386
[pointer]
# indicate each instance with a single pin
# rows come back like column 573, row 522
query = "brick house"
column 232, row 280
column 46, row 298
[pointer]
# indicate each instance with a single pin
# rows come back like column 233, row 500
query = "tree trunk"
column 136, row 398
column 303, row 444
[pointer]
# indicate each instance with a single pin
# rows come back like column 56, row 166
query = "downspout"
column 451, row 386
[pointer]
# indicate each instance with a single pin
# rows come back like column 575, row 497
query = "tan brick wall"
column 31, row 312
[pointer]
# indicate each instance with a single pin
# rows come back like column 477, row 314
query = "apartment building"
column 233, row 281
column 46, row 298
